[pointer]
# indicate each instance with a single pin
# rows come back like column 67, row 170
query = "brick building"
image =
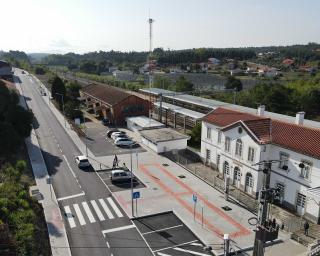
column 112, row 103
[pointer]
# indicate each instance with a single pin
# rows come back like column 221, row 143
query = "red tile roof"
column 108, row 94
column 298, row 138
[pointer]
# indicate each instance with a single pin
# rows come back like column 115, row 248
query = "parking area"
column 167, row 235
column 100, row 145
column 119, row 185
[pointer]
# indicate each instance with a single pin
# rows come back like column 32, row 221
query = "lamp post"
column 64, row 114
column 131, row 181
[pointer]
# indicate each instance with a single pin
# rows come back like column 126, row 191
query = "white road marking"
column 197, row 244
column 98, row 212
column 88, row 212
column 191, row 252
column 170, row 247
column 117, row 229
column 163, row 254
column 114, row 207
column 79, row 214
column 154, row 231
column 73, row 196
column 106, row 209
column 74, row 175
column 108, row 245
column 69, row 217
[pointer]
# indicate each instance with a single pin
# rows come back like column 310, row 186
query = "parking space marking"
column 98, row 212
column 79, row 214
column 111, row 230
column 88, row 212
column 73, row 196
column 171, row 247
column 69, row 217
column 192, row 252
column 106, row 209
column 196, row 244
column 74, row 175
column 163, row 254
column 158, row 230
column 114, row 207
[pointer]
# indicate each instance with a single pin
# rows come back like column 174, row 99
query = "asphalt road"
column 89, row 210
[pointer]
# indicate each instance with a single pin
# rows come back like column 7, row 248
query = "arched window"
column 239, row 147
column 227, row 144
column 226, row 168
column 249, row 182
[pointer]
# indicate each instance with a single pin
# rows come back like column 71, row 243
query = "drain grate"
column 226, row 208
column 165, row 164
column 181, row 176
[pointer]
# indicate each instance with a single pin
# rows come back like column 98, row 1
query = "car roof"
column 117, row 171
column 82, row 158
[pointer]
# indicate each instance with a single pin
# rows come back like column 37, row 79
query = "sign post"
column 194, row 199
column 136, row 195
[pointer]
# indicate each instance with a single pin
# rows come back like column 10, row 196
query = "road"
column 90, row 212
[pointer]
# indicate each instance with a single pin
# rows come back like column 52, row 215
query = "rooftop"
column 180, row 110
column 295, row 137
column 145, row 122
column 107, row 94
column 162, row 134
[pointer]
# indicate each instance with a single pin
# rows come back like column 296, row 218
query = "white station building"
column 234, row 141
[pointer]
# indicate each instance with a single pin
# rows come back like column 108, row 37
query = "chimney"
column 300, row 118
column 261, row 110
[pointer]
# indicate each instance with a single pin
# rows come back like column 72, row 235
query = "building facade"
column 235, row 142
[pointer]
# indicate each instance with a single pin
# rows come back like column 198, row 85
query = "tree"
column 183, row 85
column 72, row 89
column 195, row 135
column 58, row 87
column 71, row 109
column 233, row 83
column 40, row 70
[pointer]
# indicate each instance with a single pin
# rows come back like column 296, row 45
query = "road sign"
column 136, row 195
column 194, row 198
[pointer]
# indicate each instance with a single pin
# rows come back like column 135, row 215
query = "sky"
column 61, row 26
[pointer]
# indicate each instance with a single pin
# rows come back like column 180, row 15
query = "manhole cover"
column 226, row 208
column 165, row 164
column 181, row 176
column 155, row 188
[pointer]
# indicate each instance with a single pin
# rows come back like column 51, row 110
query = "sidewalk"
column 56, row 229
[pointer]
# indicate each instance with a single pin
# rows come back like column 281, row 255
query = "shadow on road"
column 53, row 230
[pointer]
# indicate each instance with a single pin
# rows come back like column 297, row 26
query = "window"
column 227, row 144
column 281, row 189
column 301, row 200
column 249, row 182
column 219, row 137
column 218, row 160
column 236, row 176
column 226, row 168
column 251, row 154
column 208, row 155
column 239, row 147
column 283, row 160
column 208, row 133
column 305, row 169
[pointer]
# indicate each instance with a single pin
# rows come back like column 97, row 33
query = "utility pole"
column 132, row 211
column 149, row 64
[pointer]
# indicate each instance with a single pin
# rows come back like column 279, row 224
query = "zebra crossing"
column 93, row 211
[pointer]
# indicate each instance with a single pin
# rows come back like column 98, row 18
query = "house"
column 112, row 103
column 268, row 72
column 125, row 75
column 5, row 70
column 214, row 61
column 234, row 142
column 288, row 62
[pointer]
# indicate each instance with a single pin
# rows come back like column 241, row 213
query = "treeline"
column 16, row 58
column 288, row 99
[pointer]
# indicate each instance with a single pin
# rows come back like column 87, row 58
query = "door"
column 236, row 177
column 249, row 183
column 301, row 202
column 281, row 188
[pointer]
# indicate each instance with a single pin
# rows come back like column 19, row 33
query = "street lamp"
column 131, row 180
column 64, row 114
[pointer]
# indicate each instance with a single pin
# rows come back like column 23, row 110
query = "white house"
column 234, row 141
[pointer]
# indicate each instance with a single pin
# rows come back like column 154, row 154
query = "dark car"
column 105, row 121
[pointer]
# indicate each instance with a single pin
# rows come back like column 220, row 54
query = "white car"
column 124, row 142
column 120, row 175
column 115, row 134
column 82, row 161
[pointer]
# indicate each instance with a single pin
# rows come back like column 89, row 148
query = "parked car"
column 120, row 175
column 82, row 161
column 125, row 142
column 110, row 131
column 115, row 134
column 105, row 121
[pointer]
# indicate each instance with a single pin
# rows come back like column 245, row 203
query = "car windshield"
column 84, row 161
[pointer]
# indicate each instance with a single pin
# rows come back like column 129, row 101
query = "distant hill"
column 37, row 57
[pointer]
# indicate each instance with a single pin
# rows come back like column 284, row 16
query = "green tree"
column 71, row 109
column 183, row 85
column 233, row 83
column 72, row 90
column 195, row 134
column 57, row 89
